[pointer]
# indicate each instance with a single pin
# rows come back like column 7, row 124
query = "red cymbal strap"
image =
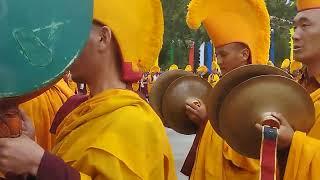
column 268, row 153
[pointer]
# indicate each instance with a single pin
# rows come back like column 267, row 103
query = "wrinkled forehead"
column 312, row 15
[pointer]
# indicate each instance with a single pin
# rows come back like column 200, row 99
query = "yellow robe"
column 304, row 158
column 315, row 131
column 73, row 86
column 215, row 160
column 42, row 110
column 116, row 136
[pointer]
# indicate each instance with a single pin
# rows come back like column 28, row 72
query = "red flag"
column 191, row 55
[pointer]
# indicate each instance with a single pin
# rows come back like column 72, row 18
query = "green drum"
column 39, row 40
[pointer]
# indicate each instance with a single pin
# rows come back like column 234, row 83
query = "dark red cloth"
column 191, row 158
column 51, row 168
column 72, row 103
column 10, row 176
column 128, row 75
column 54, row 168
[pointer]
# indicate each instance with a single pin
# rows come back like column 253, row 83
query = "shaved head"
column 233, row 55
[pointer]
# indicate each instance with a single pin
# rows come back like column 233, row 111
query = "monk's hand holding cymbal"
column 20, row 155
column 196, row 111
column 286, row 132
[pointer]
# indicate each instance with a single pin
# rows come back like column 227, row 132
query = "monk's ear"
column 105, row 35
column 245, row 54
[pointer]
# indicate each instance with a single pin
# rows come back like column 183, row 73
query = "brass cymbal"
column 174, row 102
column 248, row 103
column 232, row 79
column 160, row 86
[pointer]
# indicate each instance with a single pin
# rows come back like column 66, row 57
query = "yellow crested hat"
column 303, row 5
column 229, row 21
column 215, row 66
column 295, row 65
column 155, row 69
column 202, row 69
column 188, row 68
column 173, row 67
column 270, row 63
column 216, row 77
column 285, row 64
column 138, row 27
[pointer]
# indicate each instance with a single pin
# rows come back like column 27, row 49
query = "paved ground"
column 181, row 145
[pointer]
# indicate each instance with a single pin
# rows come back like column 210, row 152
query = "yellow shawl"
column 304, row 158
column 115, row 135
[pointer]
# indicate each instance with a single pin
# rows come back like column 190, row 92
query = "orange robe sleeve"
column 315, row 131
column 42, row 110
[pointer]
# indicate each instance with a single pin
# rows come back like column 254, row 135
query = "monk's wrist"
column 35, row 163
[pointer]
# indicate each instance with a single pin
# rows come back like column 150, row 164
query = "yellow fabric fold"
column 304, row 158
column 315, row 131
column 42, row 110
column 116, row 135
column 73, row 86
column 216, row 160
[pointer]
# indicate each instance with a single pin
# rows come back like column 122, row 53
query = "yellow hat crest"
column 202, row 69
column 270, row 63
column 285, row 64
column 213, row 79
column 155, row 69
column 215, row 66
column 173, row 67
column 188, row 68
column 295, row 66
column 303, row 5
column 229, row 21
column 138, row 27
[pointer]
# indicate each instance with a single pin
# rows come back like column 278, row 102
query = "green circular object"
column 39, row 40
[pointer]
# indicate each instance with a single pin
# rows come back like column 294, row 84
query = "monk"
column 113, row 133
column 302, row 150
column 241, row 37
column 43, row 109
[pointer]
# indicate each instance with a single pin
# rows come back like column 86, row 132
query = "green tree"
column 281, row 21
column 177, row 34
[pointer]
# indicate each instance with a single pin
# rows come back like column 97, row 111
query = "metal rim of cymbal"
column 160, row 86
column 27, row 97
column 232, row 79
column 267, row 93
column 173, row 105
